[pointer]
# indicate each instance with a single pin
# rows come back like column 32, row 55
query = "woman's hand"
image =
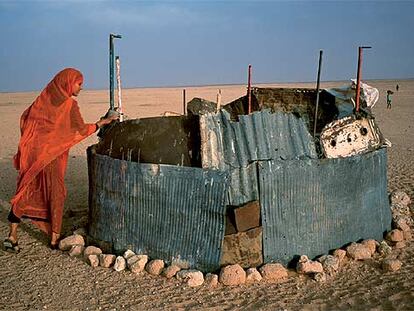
column 105, row 121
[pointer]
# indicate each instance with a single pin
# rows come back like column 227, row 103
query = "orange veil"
column 49, row 128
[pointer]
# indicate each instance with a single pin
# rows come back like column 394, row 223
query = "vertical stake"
column 218, row 101
column 317, row 92
column 118, row 83
column 358, row 87
column 249, row 89
column 184, row 102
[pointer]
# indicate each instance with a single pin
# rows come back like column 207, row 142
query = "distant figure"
column 397, row 87
column 389, row 99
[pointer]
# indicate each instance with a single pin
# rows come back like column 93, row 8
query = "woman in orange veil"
column 49, row 128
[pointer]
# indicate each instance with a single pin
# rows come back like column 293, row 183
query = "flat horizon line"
column 211, row 85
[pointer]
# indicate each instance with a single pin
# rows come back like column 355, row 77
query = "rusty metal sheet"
column 167, row 212
column 313, row 206
column 350, row 136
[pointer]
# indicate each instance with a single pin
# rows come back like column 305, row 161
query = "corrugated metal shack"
column 218, row 188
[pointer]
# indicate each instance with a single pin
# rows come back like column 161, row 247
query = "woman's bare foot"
column 54, row 240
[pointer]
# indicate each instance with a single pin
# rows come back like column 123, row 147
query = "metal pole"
column 218, row 101
column 111, row 69
column 358, row 87
column 249, row 89
column 184, row 112
column 317, row 92
column 118, row 83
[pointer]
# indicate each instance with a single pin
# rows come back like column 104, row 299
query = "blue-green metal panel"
column 167, row 212
column 261, row 135
column 312, row 206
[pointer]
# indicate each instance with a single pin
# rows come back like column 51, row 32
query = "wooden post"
column 118, row 83
column 184, row 102
column 358, row 87
column 249, row 89
column 317, row 92
column 218, row 100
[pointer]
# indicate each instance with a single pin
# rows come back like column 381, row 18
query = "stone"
column 106, row 260
column 307, row 266
column 384, row 249
column 170, row 271
column 76, row 250
column 358, row 251
column 408, row 236
column 253, row 276
column 247, row 216
column 93, row 260
column 154, row 267
column 137, row 263
column 395, row 235
column 371, row 245
column 232, row 275
column 67, row 243
column 243, row 248
column 399, row 245
column 273, row 272
column 340, row 254
column 399, row 210
column 91, row 250
column 120, row 264
column 192, row 278
column 330, row 264
column 128, row 253
column 391, row 265
column 320, row 277
column 211, row 280
column 400, row 197
column 401, row 224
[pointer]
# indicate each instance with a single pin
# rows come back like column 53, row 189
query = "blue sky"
column 175, row 43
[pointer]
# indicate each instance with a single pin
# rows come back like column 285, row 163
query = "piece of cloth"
column 49, row 128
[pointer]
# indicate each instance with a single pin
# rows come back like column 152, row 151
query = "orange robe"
column 49, row 128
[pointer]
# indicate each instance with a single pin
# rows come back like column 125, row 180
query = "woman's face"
column 77, row 87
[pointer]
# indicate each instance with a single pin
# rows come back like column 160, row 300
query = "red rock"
column 340, row 254
column 273, row 272
column 232, row 275
column 307, row 266
column 155, row 266
column 93, row 260
column 395, row 236
column 106, row 260
column 193, row 278
column 358, row 251
column 170, row 271
column 391, row 265
column 211, row 280
column 91, row 250
column 253, row 276
column 371, row 245
column 76, row 250
column 67, row 243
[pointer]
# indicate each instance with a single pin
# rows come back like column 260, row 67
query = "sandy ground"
column 38, row 278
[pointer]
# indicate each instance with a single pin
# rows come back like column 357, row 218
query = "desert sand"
column 40, row 279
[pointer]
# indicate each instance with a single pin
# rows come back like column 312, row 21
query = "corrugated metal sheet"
column 312, row 206
column 164, row 211
column 262, row 135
